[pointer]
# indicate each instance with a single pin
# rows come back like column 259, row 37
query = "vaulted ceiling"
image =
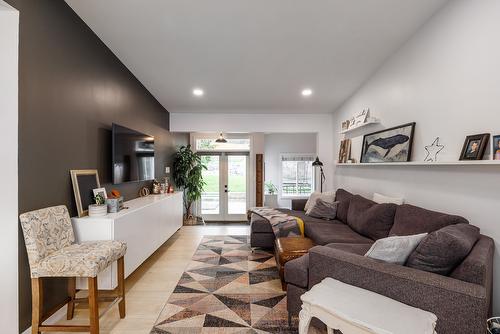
column 254, row 55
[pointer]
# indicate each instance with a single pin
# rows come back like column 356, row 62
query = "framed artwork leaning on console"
column 84, row 182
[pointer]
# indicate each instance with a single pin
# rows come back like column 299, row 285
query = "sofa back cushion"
column 442, row 250
column 344, row 198
column 411, row 220
column 369, row 218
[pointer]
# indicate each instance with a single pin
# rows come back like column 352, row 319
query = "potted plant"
column 271, row 196
column 187, row 176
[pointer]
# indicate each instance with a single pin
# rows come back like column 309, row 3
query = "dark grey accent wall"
column 71, row 88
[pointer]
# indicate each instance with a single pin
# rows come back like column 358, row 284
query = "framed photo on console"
column 390, row 145
column 84, row 182
column 474, row 147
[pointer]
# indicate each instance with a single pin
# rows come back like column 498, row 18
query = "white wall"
column 321, row 124
column 447, row 80
column 9, row 28
column 276, row 144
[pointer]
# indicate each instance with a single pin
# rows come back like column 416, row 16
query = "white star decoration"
column 433, row 150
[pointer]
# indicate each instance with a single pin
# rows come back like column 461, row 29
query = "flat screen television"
column 133, row 155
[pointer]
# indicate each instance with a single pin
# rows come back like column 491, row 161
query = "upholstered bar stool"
column 52, row 252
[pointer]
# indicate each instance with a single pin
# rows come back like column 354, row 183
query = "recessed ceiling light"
column 198, row 92
column 307, row 92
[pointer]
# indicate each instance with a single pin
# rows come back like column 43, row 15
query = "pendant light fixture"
column 221, row 139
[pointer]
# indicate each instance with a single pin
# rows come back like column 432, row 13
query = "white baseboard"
column 57, row 316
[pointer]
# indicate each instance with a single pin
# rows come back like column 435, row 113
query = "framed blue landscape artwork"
column 390, row 145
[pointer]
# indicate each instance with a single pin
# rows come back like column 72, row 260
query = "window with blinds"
column 297, row 175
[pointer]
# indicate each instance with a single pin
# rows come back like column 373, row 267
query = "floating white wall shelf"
column 420, row 163
column 369, row 121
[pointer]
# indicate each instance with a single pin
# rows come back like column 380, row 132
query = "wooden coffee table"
column 287, row 249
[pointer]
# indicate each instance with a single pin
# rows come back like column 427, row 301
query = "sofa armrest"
column 298, row 204
column 461, row 307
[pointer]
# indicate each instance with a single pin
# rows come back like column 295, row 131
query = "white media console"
column 145, row 225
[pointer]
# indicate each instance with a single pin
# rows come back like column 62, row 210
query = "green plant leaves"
column 188, row 175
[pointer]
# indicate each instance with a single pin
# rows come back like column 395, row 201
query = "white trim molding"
column 9, row 288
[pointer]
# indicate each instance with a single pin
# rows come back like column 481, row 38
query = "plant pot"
column 96, row 210
column 192, row 221
column 271, row 200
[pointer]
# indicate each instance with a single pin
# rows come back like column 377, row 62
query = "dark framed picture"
column 496, row 147
column 474, row 147
column 390, row 145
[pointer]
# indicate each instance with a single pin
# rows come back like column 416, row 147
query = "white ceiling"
column 253, row 55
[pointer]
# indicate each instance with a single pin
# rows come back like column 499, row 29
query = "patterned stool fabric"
column 49, row 238
column 81, row 260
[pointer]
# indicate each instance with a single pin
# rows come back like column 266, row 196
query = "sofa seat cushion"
column 359, row 249
column 442, row 250
column 334, row 232
column 344, row 198
column 297, row 271
column 369, row 218
column 411, row 220
column 259, row 224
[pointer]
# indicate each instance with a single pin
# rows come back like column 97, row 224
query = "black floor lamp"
column 319, row 164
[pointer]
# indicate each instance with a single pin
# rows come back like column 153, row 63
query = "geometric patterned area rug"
column 227, row 289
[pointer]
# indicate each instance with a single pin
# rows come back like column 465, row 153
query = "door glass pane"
column 210, row 203
column 237, row 184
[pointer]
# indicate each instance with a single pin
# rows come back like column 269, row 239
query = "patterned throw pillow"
column 323, row 210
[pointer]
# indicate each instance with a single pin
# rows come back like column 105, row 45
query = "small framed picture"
column 496, row 147
column 100, row 191
column 474, row 147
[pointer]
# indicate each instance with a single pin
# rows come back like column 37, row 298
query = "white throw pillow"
column 395, row 249
column 328, row 196
column 380, row 199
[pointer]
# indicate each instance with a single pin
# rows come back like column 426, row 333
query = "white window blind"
column 297, row 175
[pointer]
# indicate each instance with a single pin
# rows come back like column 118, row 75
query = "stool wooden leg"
column 37, row 304
column 71, row 294
column 93, row 306
column 121, row 286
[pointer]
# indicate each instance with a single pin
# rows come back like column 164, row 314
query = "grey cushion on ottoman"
column 333, row 232
column 442, row 250
column 411, row 220
column 369, row 218
column 259, row 224
column 297, row 271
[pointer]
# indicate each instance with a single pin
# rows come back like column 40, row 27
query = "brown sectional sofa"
column 461, row 300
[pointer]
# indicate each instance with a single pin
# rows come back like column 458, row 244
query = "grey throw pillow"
column 395, row 249
column 323, row 209
column 442, row 250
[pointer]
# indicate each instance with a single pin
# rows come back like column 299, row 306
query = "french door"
column 225, row 195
